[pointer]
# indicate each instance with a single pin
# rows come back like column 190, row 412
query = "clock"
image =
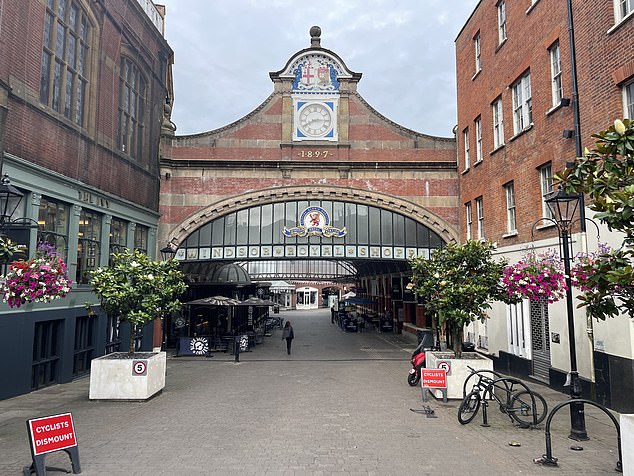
column 315, row 120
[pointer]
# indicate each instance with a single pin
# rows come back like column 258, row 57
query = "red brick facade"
column 604, row 58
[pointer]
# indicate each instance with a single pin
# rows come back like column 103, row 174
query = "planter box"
column 627, row 441
column 458, row 371
column 121, row 377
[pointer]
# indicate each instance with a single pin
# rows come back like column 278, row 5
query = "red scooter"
column 418, row 362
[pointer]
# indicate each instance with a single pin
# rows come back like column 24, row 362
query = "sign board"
column 443, row 364
column 243, row 343
column 139, row 368
column 434, row 378
column 51, row 433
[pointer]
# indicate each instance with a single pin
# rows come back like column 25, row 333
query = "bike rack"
column 548, row 459
column 512, row 381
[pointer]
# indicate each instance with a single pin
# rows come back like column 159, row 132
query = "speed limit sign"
column 139, row 368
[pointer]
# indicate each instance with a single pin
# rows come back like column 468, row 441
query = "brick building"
column 82, row 89
column 516, row 127
column 314, row 142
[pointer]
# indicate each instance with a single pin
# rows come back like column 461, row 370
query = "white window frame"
column 501, row 8
column 522, row 104
column 476, row 47
column 480, row 215
column 623, row 9
column 519, row 329
column 628, row 100
column 498, row 124
column 468, row 219
column 546, row 187
column 467, row 158
column 478, row 128
column 511, row 213
column 555, row 73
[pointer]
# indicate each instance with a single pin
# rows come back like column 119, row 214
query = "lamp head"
column 10, row 198
column 563, row 207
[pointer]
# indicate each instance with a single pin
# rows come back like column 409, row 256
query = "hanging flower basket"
column 536, row 276
column 39, row 279
column 588, row 267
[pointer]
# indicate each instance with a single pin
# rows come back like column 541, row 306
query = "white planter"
column 627, row 442
column 458, row 371
column 134, row 378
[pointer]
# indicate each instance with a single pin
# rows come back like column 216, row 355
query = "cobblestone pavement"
column 339, row 404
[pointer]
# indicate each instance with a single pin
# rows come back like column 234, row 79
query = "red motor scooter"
column 418, row 362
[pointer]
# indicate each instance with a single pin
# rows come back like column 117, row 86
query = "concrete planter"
column 457, row 369
column 121, row 377
column 627, row 441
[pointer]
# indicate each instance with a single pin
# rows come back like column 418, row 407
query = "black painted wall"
column 16, row 345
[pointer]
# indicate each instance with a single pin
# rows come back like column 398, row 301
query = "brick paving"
column 339, row 404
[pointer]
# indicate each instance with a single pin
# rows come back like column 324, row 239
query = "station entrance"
column 313, row 189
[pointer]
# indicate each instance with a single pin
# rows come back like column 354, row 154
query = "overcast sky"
column 224, row 51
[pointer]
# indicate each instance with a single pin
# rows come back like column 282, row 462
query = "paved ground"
column 339, row 404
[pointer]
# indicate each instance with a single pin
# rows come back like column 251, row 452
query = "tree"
column 457, row 284
column 137, row 289
column 606, row 175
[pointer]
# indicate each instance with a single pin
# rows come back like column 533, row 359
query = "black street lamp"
column 563, row 207
column 168, row 251
column 10, row 198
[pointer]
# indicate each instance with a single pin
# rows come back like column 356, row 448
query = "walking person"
column 289, row 335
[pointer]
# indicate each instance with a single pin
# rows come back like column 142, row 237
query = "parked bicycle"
column 522, row 405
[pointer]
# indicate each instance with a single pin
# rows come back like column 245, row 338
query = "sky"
column 224, row 51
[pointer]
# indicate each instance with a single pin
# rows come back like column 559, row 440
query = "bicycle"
column 526, row 407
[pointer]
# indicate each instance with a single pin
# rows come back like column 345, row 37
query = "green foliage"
column 606, row 175
column 458, row 283
column 137, row 289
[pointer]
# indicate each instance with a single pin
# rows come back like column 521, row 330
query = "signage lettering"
column 52, row 433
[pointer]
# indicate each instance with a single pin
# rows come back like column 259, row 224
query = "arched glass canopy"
column 314, row 238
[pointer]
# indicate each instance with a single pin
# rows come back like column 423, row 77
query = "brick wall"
column 531, row 31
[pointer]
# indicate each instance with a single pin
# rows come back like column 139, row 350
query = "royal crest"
column 314, row 221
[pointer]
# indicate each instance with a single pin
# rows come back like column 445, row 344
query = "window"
column 628, row 100
column 480, row 213
column 118, row 237
column 518, row 326
column 65, row 59
column 522, row 104
column 132, row 91
column 501, row 21
column 476, row 47
column 555, row 73
column 467, row 160
column 53, row 223
column 625, row 7
column 469, row 220
column 88, row 247
column 140, row 238
column 498, row 124
column 546, row 183
column 510, row 208
column 478, row 128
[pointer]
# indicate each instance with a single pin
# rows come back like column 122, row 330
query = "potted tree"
column 137, row 290
column 457, row 284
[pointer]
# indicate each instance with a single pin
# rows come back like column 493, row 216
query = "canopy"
column 256, row 301
column 214, row 301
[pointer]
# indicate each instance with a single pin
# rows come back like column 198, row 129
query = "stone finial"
column 315, row 37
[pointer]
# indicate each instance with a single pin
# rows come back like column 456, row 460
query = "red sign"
column 52, row 433
column 434, row 378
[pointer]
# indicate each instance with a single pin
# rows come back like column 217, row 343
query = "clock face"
column 315, row 120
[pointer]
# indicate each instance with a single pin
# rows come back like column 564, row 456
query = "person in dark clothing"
column 332, row 314
column 289, row 335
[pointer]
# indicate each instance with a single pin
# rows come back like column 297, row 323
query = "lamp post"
column 10, row 198
column 168, row 251
column 563, row 207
